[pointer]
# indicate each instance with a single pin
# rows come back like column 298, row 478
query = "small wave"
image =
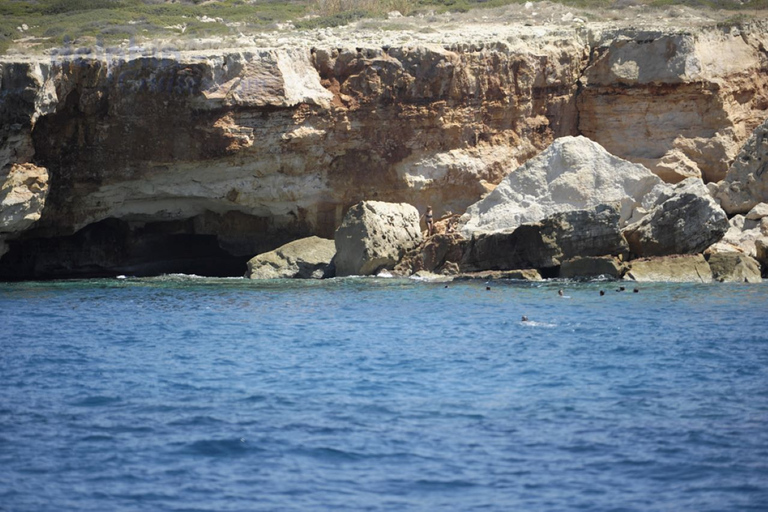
column 219, row 447
column 532, row 323
column 444, row 484
column 331, row 454
column 96, row 438
column 97, row 401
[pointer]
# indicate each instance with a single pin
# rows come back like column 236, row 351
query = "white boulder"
column 573, row 173
column 305, row 258
column 374, row 235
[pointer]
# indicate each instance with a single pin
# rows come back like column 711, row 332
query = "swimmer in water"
column 525, row 319
column 602, row 292
column 560, row 293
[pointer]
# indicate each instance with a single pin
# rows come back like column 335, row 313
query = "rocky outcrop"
column 746, row 183
column 573, row 173
column 441, row 253
column 688, row 268
column 734, row 268
column 374, row 236
column 547, row 243
column 305, row 258
column 684, row 220
column 591, row 267
column 742, row 234
column 23, row 190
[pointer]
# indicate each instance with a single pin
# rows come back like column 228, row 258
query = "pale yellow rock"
column 689, row 268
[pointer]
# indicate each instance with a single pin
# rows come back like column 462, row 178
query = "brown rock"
column 439, row 253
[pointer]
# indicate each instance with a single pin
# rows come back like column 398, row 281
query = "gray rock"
column 306, row 258
column 599, row 266
column 547, row 243
column 686, row 268
column 374, row 236
column 684, row 220
column 746, row 182
column 759, row 211
column 734, row 268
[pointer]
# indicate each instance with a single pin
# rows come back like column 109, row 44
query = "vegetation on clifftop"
column 48, row 23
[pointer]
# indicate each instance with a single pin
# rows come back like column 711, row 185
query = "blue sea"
column 192, row 394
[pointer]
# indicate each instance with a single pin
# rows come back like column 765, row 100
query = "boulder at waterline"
column 433, row 254
column 573, row 173
column 684, row 220
column 526, row 274
column 590, row 267
column 734, row 268
column 686, row 268
column 305, row 258
column 746, row 182
column 374, row 235
column 546, row 244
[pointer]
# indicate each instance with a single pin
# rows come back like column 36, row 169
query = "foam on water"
column 187, row 393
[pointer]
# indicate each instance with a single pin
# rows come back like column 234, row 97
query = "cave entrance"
column 113, row 247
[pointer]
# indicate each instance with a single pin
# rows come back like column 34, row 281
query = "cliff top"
column 102, row 31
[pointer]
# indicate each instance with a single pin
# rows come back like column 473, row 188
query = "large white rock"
column 573, row 173
column 305, row 258
column 746, row 182
column 374, row 236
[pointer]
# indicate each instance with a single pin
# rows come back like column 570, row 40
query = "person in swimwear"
column 429, row 219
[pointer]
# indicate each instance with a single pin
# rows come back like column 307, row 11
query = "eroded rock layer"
column 253, row 148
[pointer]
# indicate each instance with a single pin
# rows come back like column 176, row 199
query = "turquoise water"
column 178, row 393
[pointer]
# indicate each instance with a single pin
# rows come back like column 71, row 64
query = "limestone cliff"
column 196, row 161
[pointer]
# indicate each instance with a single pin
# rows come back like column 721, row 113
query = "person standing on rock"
column 429, row 219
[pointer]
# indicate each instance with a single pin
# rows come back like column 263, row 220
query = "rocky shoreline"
column 572, row 212
column 572, row 149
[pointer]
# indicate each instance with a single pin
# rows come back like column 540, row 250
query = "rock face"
column 547, row 243
column 573, row 173
column 689, row 268
column 746, row 183
column 374, row 236
column 601, row 266
column 242, row 150
column 681, row 103
column 735, row 268
column 684, row 220
column 306, row 258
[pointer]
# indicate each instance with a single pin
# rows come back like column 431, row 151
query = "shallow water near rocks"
column 178, row 393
